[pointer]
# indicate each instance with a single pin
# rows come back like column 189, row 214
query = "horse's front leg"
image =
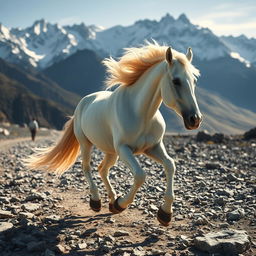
column 139, row 175
column 159, row 154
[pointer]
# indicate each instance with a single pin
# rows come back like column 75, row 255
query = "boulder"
column 218, row 137
column 30, row 207
column 228, row 242
column 251, row 134
column 203, row 136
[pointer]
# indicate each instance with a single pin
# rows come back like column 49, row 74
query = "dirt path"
column 128, row 233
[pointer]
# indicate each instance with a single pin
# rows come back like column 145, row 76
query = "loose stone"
column 4, row 226
column 31, row 207
column 5, row 214
column 121, row 233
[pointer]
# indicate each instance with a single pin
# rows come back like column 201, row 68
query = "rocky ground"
column 42, row 214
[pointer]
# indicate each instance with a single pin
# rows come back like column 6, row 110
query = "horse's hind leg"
column 108, row 161
column 86, row 147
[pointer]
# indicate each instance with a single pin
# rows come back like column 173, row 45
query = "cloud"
column 247, row 28
column 245, row 6
column 224, row 14
column 230, row 18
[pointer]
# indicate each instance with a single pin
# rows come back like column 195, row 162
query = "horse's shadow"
column 45, row 238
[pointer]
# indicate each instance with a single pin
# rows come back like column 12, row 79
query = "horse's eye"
column 176, row 81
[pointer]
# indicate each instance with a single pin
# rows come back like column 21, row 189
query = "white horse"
column 127, row 121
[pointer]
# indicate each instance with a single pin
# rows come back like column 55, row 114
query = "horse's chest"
column 140, row 136
column 142, row 142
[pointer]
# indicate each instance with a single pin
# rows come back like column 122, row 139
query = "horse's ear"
column 169, row 55
column 189, row 54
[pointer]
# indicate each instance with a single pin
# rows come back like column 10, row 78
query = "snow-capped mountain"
column 179, row 33
column 44, row 43
column 244, row 46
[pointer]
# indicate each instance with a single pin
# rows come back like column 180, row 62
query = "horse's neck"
column 146, row 92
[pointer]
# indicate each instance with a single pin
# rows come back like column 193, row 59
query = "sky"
column 223, row 17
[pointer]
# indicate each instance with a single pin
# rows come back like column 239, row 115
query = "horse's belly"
column 101, row 140
column 96, row 128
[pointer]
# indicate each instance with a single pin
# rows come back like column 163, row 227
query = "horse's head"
column 178, row 88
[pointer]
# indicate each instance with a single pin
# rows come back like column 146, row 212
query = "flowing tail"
column 58, row 158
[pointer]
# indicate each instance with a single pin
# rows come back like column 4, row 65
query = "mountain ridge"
column 43, row 44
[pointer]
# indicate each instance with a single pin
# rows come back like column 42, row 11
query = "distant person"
column 33, row 127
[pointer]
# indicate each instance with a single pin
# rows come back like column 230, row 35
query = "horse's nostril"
column 192, row 120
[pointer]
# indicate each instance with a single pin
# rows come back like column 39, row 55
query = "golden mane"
column 135, row 61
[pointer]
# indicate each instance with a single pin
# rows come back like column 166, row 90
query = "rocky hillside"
column 27, row 93
column 18, row 105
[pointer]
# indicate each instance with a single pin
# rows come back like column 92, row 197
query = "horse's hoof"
column 111, row 207
column 116, row 208
column 95, row 205
column 163, row 217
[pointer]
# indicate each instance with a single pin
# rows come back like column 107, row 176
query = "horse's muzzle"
column 192, row 122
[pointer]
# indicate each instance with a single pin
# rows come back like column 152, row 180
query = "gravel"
column 42, row 214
